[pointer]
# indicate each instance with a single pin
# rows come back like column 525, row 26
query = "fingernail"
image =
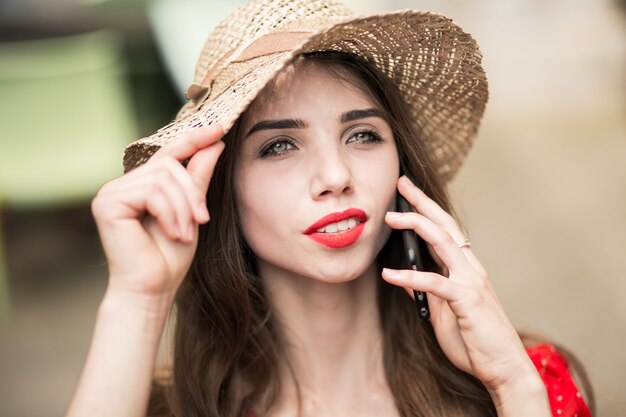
column 394, row 214
column 219, row 126
column 213, row 128
column 407, row 179
column 203, row 212
column 390, row 272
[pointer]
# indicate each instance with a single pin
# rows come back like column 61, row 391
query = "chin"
column 347, row 267
column 322, row 266
column 335, row 273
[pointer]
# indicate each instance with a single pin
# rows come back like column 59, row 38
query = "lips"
column 340, row 238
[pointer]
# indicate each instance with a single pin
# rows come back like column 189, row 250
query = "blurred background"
column 543, row 194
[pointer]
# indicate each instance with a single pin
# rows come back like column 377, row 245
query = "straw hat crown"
column 434, row 63
column 259, row 18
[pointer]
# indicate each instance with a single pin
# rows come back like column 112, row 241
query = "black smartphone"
column 413, row 245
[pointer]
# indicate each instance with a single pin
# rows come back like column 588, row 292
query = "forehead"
column 296, row 86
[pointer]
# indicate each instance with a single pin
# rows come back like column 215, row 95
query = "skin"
column 148, row 219
column 325, row 298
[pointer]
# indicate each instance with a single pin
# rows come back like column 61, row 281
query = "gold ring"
column 466, row 244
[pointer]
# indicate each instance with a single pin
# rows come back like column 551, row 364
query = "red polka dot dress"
column 565, row 398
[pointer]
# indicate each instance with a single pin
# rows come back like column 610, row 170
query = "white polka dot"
column 559, row 412
column 559, row 398
column 544, row 362
column 578, row 395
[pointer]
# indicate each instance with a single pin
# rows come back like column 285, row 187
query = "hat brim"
column 435, row 64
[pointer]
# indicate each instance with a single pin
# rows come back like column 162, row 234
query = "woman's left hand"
column 468, row 319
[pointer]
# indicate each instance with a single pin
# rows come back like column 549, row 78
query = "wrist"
column 523, row 395
column 148, row 308
column 119, row 370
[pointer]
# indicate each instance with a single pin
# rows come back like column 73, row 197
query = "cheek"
column 264, row 206
column 380, row 174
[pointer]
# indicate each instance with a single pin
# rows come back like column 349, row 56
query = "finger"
column 429, row 208
column 461, row 300
column 159, row 207
column 193, row 192
column 194, row 179
column 441, row 242
column 178, row 199
column 424, row 281
column 434, row 302
column 202, row 165
column 188, row 144
column 153, row 172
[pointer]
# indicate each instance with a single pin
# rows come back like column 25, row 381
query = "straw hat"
column 436, row 66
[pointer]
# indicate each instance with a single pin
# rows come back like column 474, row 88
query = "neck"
column 333, row 340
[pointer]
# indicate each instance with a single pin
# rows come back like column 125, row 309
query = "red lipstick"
column 338, row 239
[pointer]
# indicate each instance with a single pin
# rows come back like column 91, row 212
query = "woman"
column 292, row 299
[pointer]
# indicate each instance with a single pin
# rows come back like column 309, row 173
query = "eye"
column 276, row 148
column 365, row 136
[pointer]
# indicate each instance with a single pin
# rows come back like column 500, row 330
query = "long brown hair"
column 227, row 343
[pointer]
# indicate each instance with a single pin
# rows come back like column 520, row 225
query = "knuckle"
column 103, row 188
column 443, row 238
column 101, row 206
column 157, row 203
column 474, row 296
column 107, row 187
column 412, row 275
column 436, row 283
column 163, row 174
column 96, row 205
column 482, row 283
column 170, row 162
column 158, row 160
column 154, row 188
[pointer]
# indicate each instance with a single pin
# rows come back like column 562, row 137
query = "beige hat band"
column 271, row 43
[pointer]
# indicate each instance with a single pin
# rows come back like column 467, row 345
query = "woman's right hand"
column 148, row 218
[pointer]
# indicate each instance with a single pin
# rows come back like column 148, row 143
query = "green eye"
column 277, row 147
column 365, row 136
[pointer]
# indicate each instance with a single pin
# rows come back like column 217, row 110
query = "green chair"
column 65, row 118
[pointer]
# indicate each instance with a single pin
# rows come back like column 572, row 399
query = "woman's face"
column 316, row 173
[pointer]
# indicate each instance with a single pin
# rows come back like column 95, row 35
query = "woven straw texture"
column 436, row 66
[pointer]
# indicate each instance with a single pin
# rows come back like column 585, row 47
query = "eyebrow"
column 277, row 124
column 301, row 124
column 362, row 114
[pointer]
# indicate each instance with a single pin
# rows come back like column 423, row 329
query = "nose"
column 332, row 174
